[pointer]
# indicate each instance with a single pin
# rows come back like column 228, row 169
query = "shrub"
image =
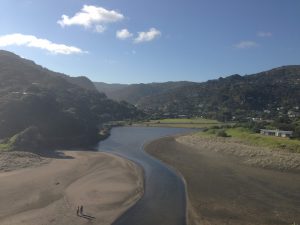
column 29, row 139
column 222, row 133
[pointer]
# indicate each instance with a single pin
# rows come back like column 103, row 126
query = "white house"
column 277, row 133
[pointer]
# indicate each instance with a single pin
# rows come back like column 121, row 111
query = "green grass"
column 182, row 123
column 192, row 120
column 256, row 139
column 5, row 147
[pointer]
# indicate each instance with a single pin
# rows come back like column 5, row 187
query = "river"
column 164, row 200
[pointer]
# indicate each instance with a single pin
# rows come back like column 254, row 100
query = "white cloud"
column 100, row 28
column 147, row 36
column 246, row 44
column 123, row 34
column 264, row 34
column 91, row 16
column 32, row 41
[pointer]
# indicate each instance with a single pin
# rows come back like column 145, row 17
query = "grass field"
column 256, row 139
column 5, row 145
column 191, row 120
column 182, row 123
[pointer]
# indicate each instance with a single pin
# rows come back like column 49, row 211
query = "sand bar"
column 224, row 190
column 106, row 186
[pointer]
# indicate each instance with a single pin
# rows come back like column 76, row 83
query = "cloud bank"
column 34, row 42
column 91, row 16
column 147, row 36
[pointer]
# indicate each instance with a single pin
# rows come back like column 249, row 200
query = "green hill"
column 40, row 108
column 135, row 93
column 267, row 94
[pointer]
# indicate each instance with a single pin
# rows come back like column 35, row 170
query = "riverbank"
column 50, row 190
column 223, row 190
column 195, row 123
column 245, row 153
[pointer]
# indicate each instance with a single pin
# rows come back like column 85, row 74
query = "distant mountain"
column 110, row 89
column 267, row 94
column 135, row 93
column 39, row 107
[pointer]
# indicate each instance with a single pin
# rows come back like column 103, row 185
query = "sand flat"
column 106, row 185
column 223, row 190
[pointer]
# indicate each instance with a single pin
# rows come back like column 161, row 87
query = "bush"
column 29, row 139
column 227, row 126
column 222, row 133
column 297, row 132
column 253, row 126
column 210, row 131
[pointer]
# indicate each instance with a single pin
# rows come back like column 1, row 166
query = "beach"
column 48, row 190
column 223, row 189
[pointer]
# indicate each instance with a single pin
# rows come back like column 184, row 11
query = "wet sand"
column 222, row 190
column 106, row 186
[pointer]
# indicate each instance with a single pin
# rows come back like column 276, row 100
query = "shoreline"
column 254, row 156
column 191, row 216
column 105, row 184
column 222, row 191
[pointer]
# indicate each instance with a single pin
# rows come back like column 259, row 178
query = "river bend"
column 164, row 200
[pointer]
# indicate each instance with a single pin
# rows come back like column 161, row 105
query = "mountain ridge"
column 222, row 98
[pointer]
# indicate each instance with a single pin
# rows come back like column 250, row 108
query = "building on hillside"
column 293, row 114
column 259, row 119
column 277, row 133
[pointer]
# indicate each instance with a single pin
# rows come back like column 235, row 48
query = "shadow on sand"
column 88, row 217
column 54, row 154
column 59, row 154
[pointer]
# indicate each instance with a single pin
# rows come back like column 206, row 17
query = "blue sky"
column 135, row 41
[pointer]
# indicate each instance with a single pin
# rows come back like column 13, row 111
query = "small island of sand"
column 50, row 191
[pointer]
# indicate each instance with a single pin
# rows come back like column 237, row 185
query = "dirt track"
column 224, row 191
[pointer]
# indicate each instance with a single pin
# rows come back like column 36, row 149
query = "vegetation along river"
column 164, row 200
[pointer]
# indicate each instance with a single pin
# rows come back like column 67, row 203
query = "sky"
column 142, row 41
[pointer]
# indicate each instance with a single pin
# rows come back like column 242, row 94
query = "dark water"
column 163, row 202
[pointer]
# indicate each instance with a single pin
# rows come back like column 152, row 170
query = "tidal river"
column 164, row 201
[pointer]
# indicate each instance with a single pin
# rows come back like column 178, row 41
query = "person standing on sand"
column 77, row 210
column 81, row 210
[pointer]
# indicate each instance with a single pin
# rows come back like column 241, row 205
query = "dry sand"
column 224, row 190
column 49, row 193
column 10, row 161
column 246, row 154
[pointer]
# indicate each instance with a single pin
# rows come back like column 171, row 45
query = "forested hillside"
column 40, row 108
column 134, row 93
column 267, row 94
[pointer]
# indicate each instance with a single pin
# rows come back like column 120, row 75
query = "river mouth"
column 164, row 200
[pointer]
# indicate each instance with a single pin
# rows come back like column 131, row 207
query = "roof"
column 278, row 131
